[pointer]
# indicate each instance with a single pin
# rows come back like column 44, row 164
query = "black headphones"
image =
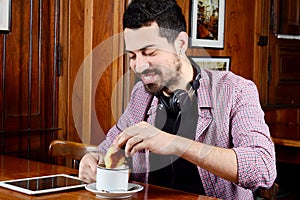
column 181, row 97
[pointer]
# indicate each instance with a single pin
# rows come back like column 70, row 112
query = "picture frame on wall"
column 5, row 16
column 213, row 63
column 207, row 23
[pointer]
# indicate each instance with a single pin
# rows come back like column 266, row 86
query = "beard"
column 168, row 77
column 153, row 88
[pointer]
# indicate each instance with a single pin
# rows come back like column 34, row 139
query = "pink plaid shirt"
column 230, row 116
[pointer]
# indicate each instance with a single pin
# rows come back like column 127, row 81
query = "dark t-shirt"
column 169, row 170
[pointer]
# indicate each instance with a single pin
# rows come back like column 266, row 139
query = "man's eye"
column 150, row 53
column 131, row 56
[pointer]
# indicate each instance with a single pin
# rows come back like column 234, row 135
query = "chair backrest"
column 69, row 149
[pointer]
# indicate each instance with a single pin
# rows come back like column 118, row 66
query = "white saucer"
column 120, row 195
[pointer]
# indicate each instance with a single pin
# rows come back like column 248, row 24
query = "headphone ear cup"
column 196, row 82
column 179, row 98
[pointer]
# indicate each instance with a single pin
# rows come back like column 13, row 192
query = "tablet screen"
column 44, row 184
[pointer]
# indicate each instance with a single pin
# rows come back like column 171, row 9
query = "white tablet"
column 44, row 184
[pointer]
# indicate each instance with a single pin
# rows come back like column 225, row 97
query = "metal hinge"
column 263, row 41
column 269, row 70
column 59, row 60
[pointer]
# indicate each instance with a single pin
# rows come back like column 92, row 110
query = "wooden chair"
column 69, row 149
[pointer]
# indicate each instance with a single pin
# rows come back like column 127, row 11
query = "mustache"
column 149, row 71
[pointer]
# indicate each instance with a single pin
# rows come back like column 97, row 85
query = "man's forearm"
column 219, row 161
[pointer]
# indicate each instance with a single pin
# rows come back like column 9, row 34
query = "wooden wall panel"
column 1, row 81
column 239, row 37
column 102, row 32
column 75, row 44
column 87, row 25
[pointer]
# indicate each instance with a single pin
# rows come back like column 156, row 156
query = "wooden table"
column 13, row 168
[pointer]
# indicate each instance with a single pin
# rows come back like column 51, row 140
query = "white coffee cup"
column 112, row 179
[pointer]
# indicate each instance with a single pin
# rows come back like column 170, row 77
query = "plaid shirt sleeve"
column 251, row 138
column 231, row 117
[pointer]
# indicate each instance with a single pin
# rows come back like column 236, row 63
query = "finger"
column 81, row 175
column 122, row 138
column 138, row 126
column 136, row 129
column 143, row 124
column 137, row 147
column 143, row 129
column 91, row 174
column 85, row 175
column 120, row 141
column 131, row 143
column 88, row 179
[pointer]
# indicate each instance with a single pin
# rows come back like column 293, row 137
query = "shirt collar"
column 204, row 92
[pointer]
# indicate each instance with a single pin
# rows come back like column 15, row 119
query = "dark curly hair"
column 166, row 13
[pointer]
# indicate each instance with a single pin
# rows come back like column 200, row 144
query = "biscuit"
column 114, row 158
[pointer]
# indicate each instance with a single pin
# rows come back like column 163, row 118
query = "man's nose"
column 141, row 64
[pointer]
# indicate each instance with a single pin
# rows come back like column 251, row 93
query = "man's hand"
column 88, row 166
column 145, row 136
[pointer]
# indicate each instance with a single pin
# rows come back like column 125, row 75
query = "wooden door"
column 29, row 80
column 284, row 79
column 282, row 112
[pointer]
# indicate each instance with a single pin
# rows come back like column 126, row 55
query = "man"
column 187, row 128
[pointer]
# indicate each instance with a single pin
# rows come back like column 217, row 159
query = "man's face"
column 153, row 59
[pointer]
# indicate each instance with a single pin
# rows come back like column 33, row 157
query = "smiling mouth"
column 148, row 78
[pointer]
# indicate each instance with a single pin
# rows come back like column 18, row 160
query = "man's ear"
column 181, row 42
